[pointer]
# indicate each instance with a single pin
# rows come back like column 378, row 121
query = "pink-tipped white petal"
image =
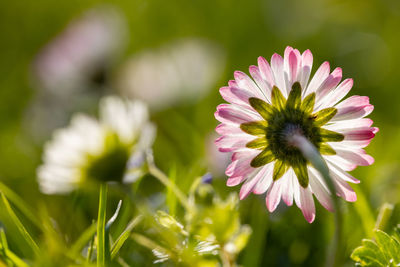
column 277, row 71
column 349, row 124
column 359, row 134
column 234, row 181
column 307, row 204
column 344, row 164
column 250, row 183
column 320, row 190
column 326, row 87
column 228, row 129
column 337, row 94
column 292, row 60
column 262, row 84
column 352, row 108
column 287, row 187
column 232, row 96
column 343, row 189
column 266, row 180
column 233, row 114
column 229, row 143
column 265, row 71
column 245, row 82
column 341, row 174
column 306, row 66
column 318, row 78
column 358, row 157
column 274, row 195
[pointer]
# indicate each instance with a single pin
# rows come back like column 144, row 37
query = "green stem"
column 101, row 223
column 384, row 215
column 314, row 157
column 153, row 170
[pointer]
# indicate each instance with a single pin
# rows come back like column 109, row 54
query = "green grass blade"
column 90, row 250
column 14, row 259
column 124, row 236
column 85, row 237
column 101, row 223
column 20, row 204
column 3, row 239
column 28, row 238
column 171, row 200
column 4, row 247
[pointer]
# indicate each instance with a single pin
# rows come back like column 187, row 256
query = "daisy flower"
column 112, row 148
column 281, row 101
column 165, row 77
column 81, row 54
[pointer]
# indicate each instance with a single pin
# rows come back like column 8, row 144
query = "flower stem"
column 384, row 215
column 314, row 157
column 157, row 173
column 101, row 223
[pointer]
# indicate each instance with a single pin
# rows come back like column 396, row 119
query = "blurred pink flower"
column 81, row 52
column 281, row 100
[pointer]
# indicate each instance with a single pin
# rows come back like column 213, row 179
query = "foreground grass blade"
column 124, row 236
column 10, row 256
column 85, row 237
column 90, row 250
column 20, row 204
column 101, row 224
column 20, row 226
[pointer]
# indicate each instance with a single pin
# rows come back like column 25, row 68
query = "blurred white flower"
column 112, row 148
column 181, row 71
column 80, row 55
column 75, row 66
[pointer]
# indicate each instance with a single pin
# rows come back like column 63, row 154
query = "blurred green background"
column 361, row 36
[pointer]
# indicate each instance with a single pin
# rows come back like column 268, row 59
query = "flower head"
column 165, row 77
column 281, row 101
column 112, row 148
column 79, row 56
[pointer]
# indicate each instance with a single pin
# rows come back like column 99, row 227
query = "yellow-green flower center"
column 286, row 117
column 111, row 164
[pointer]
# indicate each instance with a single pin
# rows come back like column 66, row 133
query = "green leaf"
column 323, row 116
column 302, row 174
column 278, row 100
column 259, row 143
column 102, row 254
column 263, row 158
column 262, row 107
column 279, row 169
column 385, row 251
column 28, row 238
column 391, row 245
column 257, row 128
column 294, row 99
column 124, row 236
column 307, row 105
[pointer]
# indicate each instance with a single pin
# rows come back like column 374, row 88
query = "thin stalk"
column 314, row 157
column 101, row 223
column 153, row 170
column 384, row 215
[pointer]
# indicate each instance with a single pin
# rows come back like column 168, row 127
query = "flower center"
column 282, row 119
column 287, row 123
column 111, row 165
